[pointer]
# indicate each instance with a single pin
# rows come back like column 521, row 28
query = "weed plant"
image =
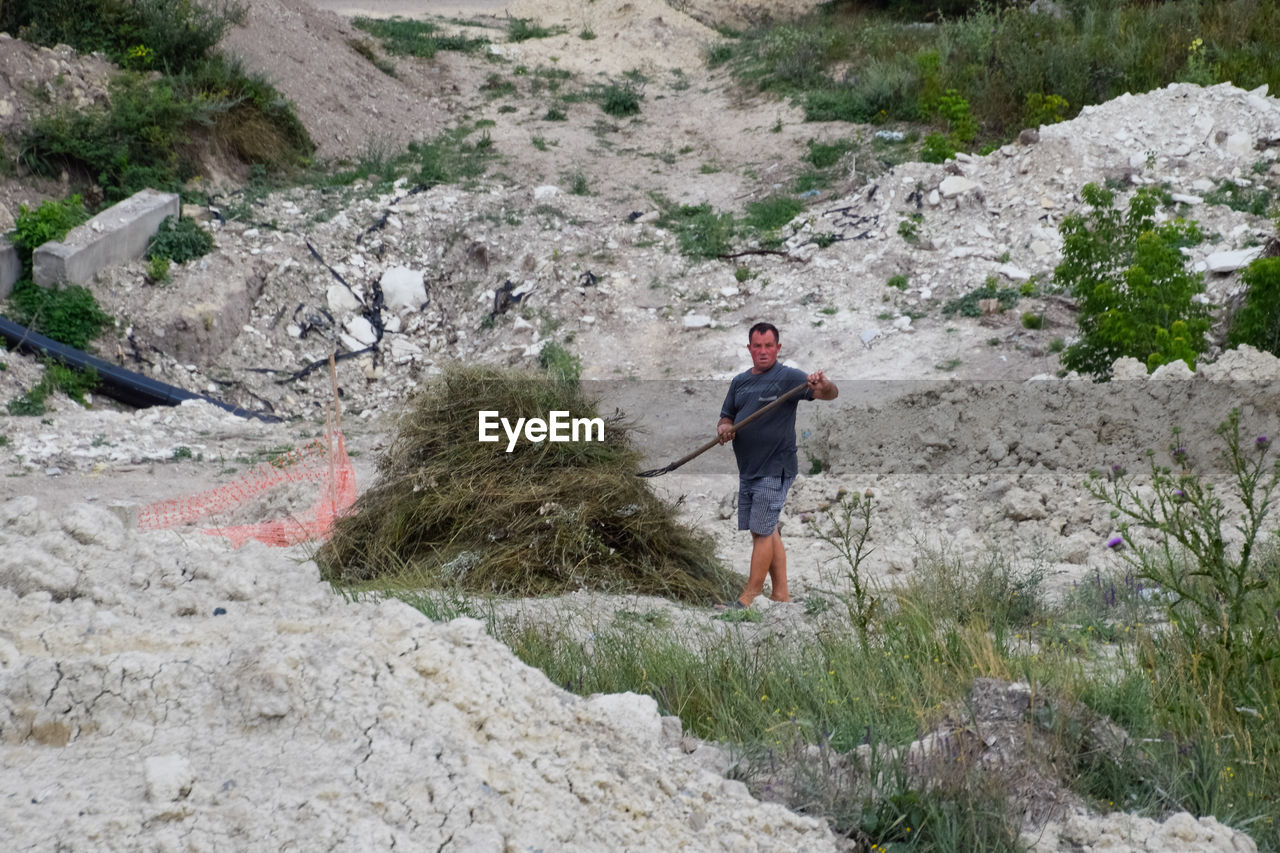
column 179, row 240
column 620, row 99
column 57, row 377
column 52, row 220
column 967, row 305
column 523, row 29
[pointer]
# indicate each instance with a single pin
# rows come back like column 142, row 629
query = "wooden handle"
column 713, row 442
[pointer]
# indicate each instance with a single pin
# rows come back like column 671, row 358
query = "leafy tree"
column 1132, row 284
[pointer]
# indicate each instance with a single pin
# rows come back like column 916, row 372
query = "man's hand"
column 724, row 430
column 822, row 387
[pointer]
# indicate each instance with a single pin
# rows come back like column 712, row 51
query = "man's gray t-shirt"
column 766, row 447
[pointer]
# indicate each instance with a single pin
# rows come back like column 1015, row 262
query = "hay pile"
column 543, row 519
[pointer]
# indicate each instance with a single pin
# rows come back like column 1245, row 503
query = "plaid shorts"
column 760, row 502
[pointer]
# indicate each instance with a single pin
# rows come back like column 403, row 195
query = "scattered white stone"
column 403, row 289
column 956, row 185
column 1222, row 262
column 696, row 321
column 341, row 300
column 361, row 330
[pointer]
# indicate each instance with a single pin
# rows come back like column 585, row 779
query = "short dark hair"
column 761, row 328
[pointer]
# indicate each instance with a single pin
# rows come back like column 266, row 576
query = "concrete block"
column 118, row 234
column 10, row 267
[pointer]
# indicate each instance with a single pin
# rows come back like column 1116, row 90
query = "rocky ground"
column 936, row 413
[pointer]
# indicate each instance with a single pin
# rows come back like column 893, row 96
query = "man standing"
column 766, row 452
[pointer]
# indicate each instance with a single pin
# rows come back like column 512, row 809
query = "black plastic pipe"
column 126, row 386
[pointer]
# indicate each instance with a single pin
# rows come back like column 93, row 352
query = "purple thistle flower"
column 1262, row 442
column 1179, row 454
column 1115, row 542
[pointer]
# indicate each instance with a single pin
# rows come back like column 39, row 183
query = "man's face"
column 764, row 351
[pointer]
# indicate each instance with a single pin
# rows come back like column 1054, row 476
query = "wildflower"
column 1115, row 542
column 1179, row 454
column 1262, row 442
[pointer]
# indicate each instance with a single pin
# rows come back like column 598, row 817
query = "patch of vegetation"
column 772, row 213
column 52, row 220
column 170, row 36
column 179, row 240
column 1256, row 199
column 1131, row 282
column 702, row 232
column 523, row 29
column 967, row 305
column 620, row 99
column 824, row 155
column 555, row 114
column 872, row 63
column 69, row 315
column 450, row 158
column 154, row 128
column 57, row 377
column 1257, row 323
column 898, row 282
column 578, row 184
column 422, row 39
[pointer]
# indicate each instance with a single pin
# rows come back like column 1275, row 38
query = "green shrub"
column 1130, row 280
column 1257, row 323
column 147, row 135
column 937, row 148
column 620, row 100
column 69, row 315
column 158, row 269
column 1043, row 109
column 50, row 221
column 179, row 240
column 961, row 125
column 162, row 35
column 559, row 362
column 967, row 305
column 1031, row 320
column 898, row 282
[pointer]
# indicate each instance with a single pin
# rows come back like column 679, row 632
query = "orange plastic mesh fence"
column 324, row 463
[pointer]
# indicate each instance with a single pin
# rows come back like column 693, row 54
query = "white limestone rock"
column 403, row 289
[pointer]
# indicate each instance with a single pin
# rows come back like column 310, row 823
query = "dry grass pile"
column 543, row 519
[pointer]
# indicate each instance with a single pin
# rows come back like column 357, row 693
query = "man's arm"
column 822, row 387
